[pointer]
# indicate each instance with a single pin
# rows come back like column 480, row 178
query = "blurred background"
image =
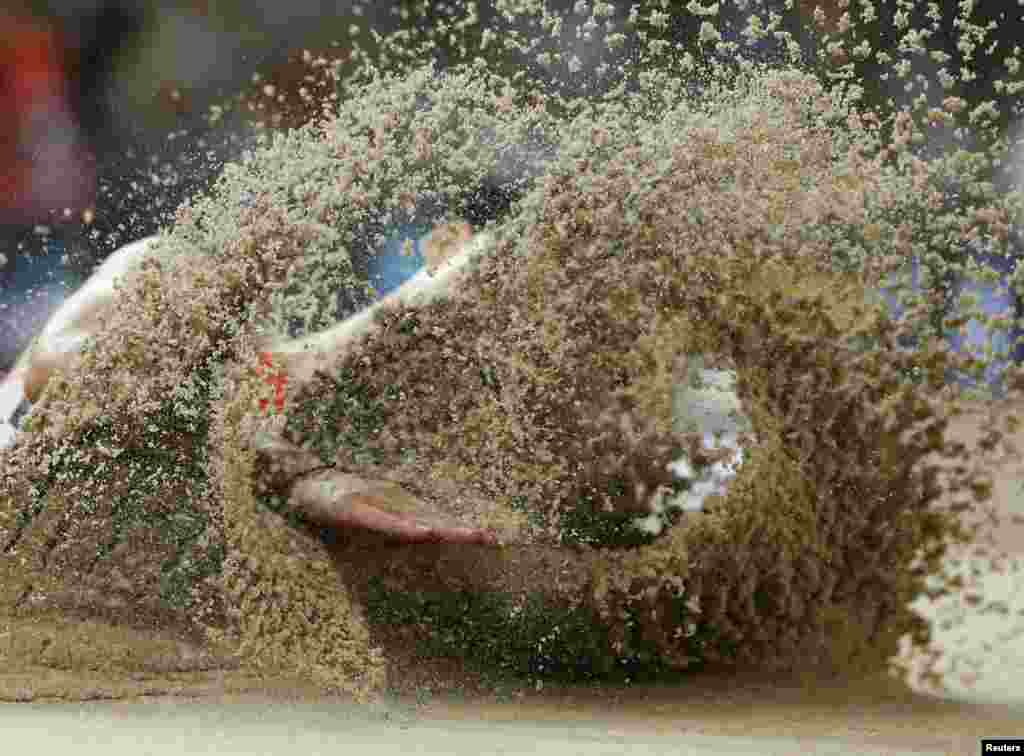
column 114, row 111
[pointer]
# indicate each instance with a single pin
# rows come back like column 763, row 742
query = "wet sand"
column 984, row 666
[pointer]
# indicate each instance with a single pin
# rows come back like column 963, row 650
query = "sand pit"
column 289, row 728
column 232, row 711
column 162, row 689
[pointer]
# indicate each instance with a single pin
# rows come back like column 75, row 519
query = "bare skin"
column 335, row 499
column 325, row 496
column 445, row 241
column 330, row 498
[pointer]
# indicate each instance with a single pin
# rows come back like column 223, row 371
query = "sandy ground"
column 983, row 642
column 247, row 728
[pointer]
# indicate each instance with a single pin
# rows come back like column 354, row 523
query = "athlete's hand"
column 335, row 499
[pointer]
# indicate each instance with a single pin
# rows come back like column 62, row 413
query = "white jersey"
column 67, row 329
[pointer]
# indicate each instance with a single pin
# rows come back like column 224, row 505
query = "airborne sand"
column 747, row 714
column 837, row 716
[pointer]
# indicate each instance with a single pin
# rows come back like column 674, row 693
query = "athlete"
column 325, row 496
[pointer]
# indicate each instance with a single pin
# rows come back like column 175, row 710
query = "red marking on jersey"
column 279, row 380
